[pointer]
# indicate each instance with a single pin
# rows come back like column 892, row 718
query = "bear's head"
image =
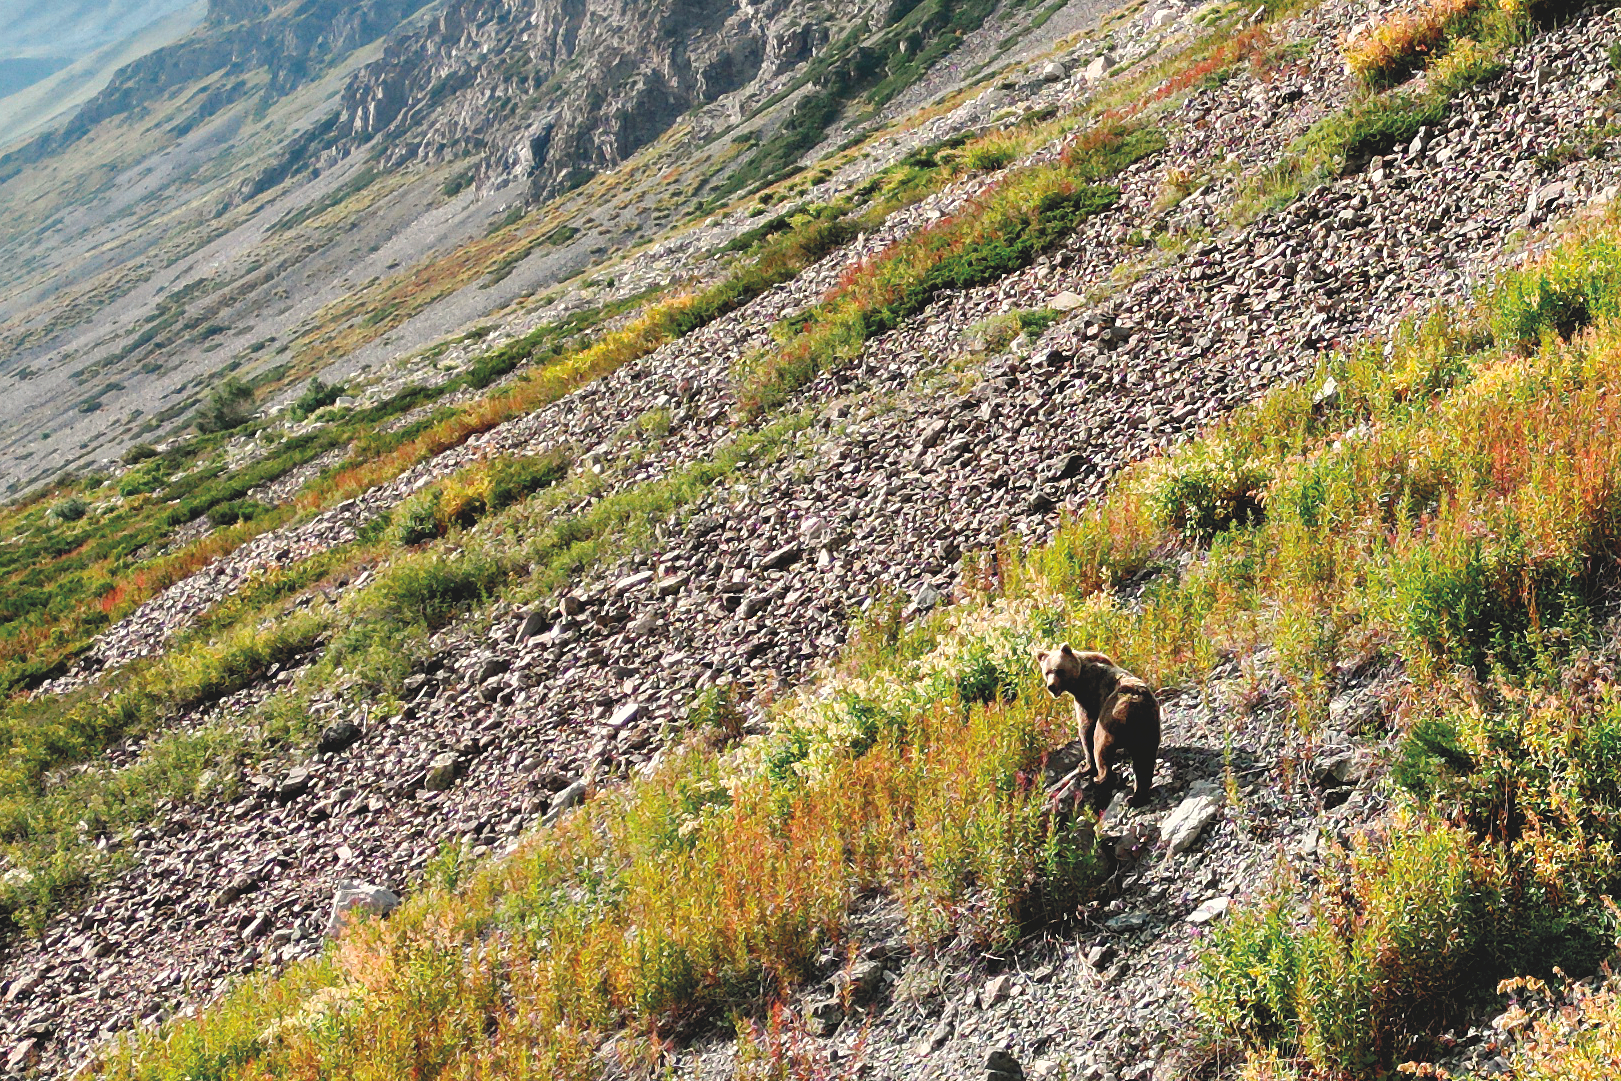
column 1059, row 667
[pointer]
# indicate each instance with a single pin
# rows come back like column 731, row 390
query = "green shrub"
column 1374, row 125
column 1476, row 602
column 989, row 157
column 1370, row 966
column 1036, row 321
column 1567, row 290
column 316, row 396
column 229, row 406
column 1248, row 976
column 430, row 588
column 717, row 708
column 417, row 518
column 70, row 509
column 978, row 679
column 140, row 452
column 1210, row 490
column 228, row 514
column 147, row 478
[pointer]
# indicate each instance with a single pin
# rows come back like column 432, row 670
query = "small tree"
column 316, row 396
column 228, row 407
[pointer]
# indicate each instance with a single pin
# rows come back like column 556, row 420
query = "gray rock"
column 240, row 885
column 824, row 1018
column 21, row 988
column 1197, row 810
column 339, row 736
column 633, row 582
column 492, row 667
column 1000, row 1065
column 1053, row 72
column 783, row 557
column 1067, row 466
column 24, row 1055
column 295, row 784
column 572, row 796
column 1333, row 771
column 864, row 980
column 1214, row 908
column 533, row 623
column 353, row 897
column 442, row 771
column 996, row 991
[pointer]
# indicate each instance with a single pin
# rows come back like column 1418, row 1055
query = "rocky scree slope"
column 897, row 475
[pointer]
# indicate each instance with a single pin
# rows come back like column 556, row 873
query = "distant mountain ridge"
column 72, row 28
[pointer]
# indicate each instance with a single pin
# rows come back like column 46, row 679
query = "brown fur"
column 1114, row 710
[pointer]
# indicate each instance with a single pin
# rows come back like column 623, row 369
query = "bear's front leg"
column 1086, row 724
column 1100, row 753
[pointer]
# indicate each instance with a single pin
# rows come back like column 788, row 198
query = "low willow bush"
column 473, row 493
column 1568, row 289
column 1208, row 490
column 1401, row 42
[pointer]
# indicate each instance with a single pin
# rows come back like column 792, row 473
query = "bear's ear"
column 1039, row 653
column 1066, row 650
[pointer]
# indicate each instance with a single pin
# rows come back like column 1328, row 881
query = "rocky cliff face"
column 555, row 91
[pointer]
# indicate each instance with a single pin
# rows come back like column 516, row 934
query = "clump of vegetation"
column 140, row 452
column 70, row 509
column 316, row 397
column 1209, row 489
column 229, row 514
column 1568, row 289
column 474, row 492
column 229, row 406
column 1401, row 42
column 722, row 908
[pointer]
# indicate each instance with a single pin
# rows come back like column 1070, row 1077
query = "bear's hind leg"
column 1142, row 764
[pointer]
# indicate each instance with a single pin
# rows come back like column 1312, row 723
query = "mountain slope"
column 1291, row 392
column 210, row 210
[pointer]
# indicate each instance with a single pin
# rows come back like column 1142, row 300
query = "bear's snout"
column 1055, row 687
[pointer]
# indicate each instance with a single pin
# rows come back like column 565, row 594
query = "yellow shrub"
column 1405, row 40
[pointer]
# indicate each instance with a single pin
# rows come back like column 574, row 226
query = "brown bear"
column 1113, row 709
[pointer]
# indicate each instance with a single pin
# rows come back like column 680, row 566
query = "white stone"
column 1212, row 909
column 1196, row 811
column 355, row 896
